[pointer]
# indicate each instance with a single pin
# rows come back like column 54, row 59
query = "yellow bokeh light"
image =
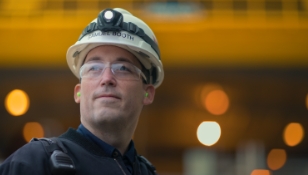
column 260, row 172
column 216, row 102
column 293, row 134
column 208, row 133
column 17, row 102
column 32, row 129
column 276, row 158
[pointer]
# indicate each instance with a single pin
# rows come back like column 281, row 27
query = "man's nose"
column 107, row 77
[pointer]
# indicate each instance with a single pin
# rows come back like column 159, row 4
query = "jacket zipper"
column 120, row 166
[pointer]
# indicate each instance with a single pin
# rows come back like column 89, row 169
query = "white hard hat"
column 120, row 28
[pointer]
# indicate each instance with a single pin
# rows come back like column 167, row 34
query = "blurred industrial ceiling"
column 220, row 33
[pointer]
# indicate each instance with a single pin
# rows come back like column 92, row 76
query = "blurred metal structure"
column 209, row 32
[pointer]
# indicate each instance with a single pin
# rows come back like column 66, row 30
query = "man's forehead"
column 111, row 53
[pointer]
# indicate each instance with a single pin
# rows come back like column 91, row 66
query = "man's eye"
column 94, row 68
column 123, row 68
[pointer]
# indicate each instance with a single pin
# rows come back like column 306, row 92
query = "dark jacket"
column 34, row 159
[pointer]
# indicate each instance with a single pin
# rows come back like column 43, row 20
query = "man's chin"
column 108, row 114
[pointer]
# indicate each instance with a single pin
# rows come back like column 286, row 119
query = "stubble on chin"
column 107, row 115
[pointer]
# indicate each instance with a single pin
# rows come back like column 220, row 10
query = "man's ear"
column 149, row 94
column 76, row 92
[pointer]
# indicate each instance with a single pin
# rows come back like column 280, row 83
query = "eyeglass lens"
column 122, row 70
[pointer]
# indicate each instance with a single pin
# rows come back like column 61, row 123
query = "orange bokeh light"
column 17, row 102
column 260, row 172
column 293, row 134
column 216, row 102
column 32, row 129
column 276, row 158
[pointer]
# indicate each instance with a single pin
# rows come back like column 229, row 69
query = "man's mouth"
column 108, row 96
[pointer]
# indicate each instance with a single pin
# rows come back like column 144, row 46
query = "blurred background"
column 234, row 100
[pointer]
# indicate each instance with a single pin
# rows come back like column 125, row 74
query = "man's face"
column 108, row 101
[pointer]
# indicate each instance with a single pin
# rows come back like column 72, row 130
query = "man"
column 118, row 63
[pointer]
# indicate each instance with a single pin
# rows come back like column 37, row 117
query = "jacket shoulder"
column 146, row 165
column 28, row 159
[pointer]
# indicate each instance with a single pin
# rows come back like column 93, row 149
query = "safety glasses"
column 121, row 70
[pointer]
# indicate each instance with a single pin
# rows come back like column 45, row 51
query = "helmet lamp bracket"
column 109, row 20
column 112, row 20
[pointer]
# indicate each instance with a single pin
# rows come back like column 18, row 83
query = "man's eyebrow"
column 95, row 58
column 118, row 59
column 123, row 59
column 138, row 64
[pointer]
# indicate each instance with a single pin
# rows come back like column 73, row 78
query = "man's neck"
column 119, row 140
